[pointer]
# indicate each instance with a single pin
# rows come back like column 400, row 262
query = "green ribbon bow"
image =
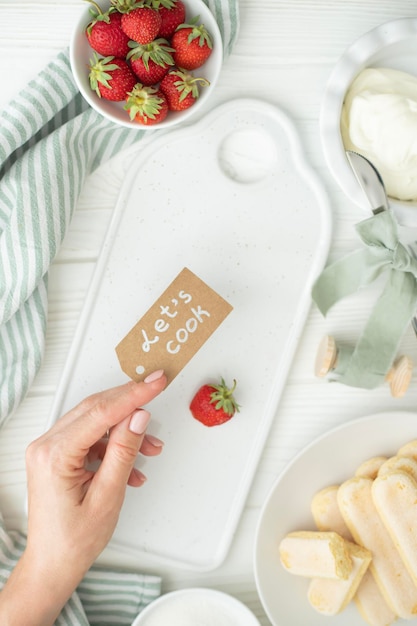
column 377, row 346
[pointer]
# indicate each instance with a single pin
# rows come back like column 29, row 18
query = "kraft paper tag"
column 173, row 329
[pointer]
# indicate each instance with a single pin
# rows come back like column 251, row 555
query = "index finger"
column 88, row 422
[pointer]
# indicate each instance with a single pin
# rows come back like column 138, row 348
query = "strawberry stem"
column 223, row 399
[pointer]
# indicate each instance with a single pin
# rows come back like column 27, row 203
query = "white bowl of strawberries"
column 146, row 63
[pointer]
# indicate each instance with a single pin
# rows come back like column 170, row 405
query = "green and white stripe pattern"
column 103, row 597
column 50, row 140
column 110, row 597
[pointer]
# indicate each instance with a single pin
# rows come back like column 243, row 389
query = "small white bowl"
column 392, row 45
column 190, row 607
column 81, row 53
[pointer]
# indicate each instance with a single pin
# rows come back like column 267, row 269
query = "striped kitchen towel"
column 50, row 141
column 104, row 597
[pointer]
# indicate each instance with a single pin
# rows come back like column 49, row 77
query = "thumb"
column 122, row 449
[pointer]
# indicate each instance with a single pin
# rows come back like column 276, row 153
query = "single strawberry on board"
column 150, row 61
column 104, row 32
column 213, row 405
column 181, row 89
column 193, row 45
column 146, row 105
column 111, row 78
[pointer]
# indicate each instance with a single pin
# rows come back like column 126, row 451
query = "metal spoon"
column 373, row 187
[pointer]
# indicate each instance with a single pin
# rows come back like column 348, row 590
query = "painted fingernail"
column 139, row 421
column 154, row 441
column 139, row 476
column 154, row 376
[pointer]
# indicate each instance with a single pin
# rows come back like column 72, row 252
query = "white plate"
column 329, row 460
column 392, row 45
column 232, row 199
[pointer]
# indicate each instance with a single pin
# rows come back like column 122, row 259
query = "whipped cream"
column 379, row 120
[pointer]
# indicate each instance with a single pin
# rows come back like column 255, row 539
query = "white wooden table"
column 285, row 53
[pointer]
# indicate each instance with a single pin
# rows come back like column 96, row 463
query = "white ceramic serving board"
column 232, row 199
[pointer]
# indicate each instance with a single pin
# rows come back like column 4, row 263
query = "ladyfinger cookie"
column 370, row 467
column 395, row 497
column 326, row 512
column 409, row 449
column 403, row 463
column 369, row 600
column 315, row 554
column 364, row 522
column 332, row 596
column 371, row 604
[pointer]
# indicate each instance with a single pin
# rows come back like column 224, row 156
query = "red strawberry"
column 213, row 405
column 141, row 24
column 150, row 61
column 192, row 44
column 105, row 35
column 181, row 89
column 111, row 78
column 172, row 13
column 146, row 105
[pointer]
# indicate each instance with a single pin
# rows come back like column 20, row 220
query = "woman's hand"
column 73, row 510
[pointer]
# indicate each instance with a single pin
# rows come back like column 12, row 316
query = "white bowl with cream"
column 196, row 606
column 389, row 48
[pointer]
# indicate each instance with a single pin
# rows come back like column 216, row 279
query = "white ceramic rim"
column 211, row 69
column 358, row 56
column 240, row 610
